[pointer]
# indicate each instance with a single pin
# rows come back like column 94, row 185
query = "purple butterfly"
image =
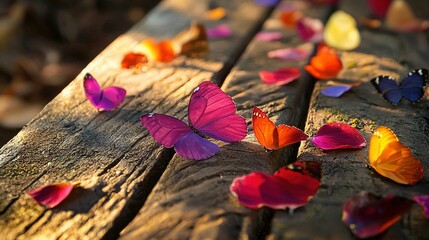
column 211, row 112
column 103, row 99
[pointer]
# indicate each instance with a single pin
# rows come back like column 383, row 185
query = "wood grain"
column 192, row 199
column 344, row 173
column 110, row 153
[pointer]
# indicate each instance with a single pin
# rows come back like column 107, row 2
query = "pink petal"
column 338, row 136
column 335, row 91
column 269, row 36
column 51, row 195
column 368, row 215
column 289, row 187
column 280, row 76
column 290, row 54
column 310, row 29
column 423, row 200
column 220, row 31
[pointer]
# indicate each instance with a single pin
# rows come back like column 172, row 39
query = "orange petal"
column 289, row 18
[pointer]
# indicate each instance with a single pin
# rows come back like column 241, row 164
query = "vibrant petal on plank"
column 133, row 60
column 51, row 195
column 400, row 17
column 216, row 14
column 290, row 187
column 341, row 31
column 335, row 91
column 392, row 159
column 269, row 36
column 219, row 31
column 310, row 29
column 191, row 42
column 290, row 54
column 368, row 215
column 326, row 64
column 280, row 76
column 290, row 18
column 378, row 8
column 338, row 136
column 423, row 200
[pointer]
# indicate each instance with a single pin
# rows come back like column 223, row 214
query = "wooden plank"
column 110, row 154
column 344, row 172
column 192, row 199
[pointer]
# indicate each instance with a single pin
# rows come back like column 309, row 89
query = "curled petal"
column 335, row 91
column 341, row 31
column 368, row 215
column 290, row 187
column 269, row 36
column 310, row 29
column 338, row 136
column 326, row 64
column 400, row 17
column 280, row 76
column 51, row 195
column 297, row 53
column 133, row 60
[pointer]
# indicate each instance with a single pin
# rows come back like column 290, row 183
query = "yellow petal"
column 341, row 31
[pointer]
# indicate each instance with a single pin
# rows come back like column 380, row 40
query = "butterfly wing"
column 388, row 87
column 212, row 112
column 412, row 85
column 92, row 89
column 111, row 98
column 169, row 131
column 392, row 159
column 272, row 137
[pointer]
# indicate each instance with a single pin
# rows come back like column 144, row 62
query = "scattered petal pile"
column 368, row 215
column 290, row 187
column 338, row 136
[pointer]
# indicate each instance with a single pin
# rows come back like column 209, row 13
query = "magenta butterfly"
column 103, row 99
column 211, row 112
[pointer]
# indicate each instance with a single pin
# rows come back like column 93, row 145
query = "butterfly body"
column 211, row 113
column 392, row 159
column 411, row 88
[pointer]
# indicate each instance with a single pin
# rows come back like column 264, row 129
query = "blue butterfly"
column 411, row 88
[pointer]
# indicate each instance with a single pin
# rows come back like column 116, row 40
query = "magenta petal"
column 51, row 195
column 287, row 188
column 281, row 76
column 423, row 200
column 368, row 215
column 335, row 91
column 220, row 31
column 338, row 136
column 289, row 54
column 310, row 29
column 269, row 36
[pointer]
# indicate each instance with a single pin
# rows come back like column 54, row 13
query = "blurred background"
column 44, row 44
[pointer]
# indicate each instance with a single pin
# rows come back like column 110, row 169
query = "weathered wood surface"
column 192, row 199
column 344, row 173
column 110, row 153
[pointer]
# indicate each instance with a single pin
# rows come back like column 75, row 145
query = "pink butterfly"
column 211, row 112
column 103, row 99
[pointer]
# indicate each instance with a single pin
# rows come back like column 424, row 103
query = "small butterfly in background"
column 105, row 99
column 410, row 88
column 273, row 137
column 211, row 113
column 392, row 159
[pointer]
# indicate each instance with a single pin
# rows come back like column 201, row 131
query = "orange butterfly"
column 274, row 137
column 392, row 159
column 326, row 64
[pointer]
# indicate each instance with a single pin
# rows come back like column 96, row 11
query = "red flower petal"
column 378, row 8
column 310, row 29
column 368, row 215
column 290, row 187
column 338, row 136
column 326, row 64
column 133, row 60
column 51, row 195
column 220, row 31
column 423, row 200
column 280, row 76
